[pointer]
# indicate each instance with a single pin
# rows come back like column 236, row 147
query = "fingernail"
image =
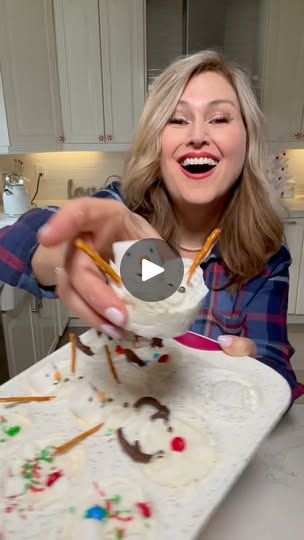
column 43, row 230
column 226, row 341
column 110, row 331
column 115, row 316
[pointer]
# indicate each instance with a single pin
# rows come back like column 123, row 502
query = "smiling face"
column 204, row 142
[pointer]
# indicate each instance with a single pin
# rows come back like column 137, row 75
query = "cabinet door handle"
column 36, row 305
column 109, row 137
column 100, row 138
column 290, row 222
column 61, row 138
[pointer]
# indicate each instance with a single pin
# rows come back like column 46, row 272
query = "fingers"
column 82, row 215
column 237, row 346
column 101, row 298
column 82, row 309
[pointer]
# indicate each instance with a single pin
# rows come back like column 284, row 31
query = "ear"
column 237, row 346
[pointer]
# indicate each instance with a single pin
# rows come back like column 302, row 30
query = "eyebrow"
column 211, row 103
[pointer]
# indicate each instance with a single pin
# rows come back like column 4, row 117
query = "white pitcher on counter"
column 16, row 200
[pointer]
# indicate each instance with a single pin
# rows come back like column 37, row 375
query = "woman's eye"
column 178, row 121
column 220, row 120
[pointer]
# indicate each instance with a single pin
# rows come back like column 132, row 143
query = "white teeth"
column 198, row 161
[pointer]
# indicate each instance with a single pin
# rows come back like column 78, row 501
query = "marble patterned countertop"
column 267, row 501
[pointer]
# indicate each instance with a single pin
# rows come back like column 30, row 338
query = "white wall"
column 87, row 169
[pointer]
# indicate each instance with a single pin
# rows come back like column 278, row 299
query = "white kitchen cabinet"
column 63, row 317
column 31, row 330
column 294, row 233
column 4, row 140
column 122, row 25
column 21, row 347
column 100, row 55
column 283, row 78
column 44, row 315
column 79, row 67
column 29, row 75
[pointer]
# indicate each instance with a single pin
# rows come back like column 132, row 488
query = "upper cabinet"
column 235, row 27
column 4, row 140
column 30, row 97
column 72, row 74
column 283, row 92
column 79, row 67
column 100, row 55
column 266, row 37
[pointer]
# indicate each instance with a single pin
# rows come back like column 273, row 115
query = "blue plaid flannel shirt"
column 258, row 310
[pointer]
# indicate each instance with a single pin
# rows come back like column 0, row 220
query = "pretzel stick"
column 73, row 353
column 101, row 263
column 68, row 445
column 25, row 399
column 211, row 240
column 110, row 363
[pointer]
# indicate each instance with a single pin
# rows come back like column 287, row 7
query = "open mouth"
column 198, row 165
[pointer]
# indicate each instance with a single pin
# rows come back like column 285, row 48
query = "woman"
column 197, row 161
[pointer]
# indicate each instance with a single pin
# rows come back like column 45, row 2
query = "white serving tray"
column 239, row 400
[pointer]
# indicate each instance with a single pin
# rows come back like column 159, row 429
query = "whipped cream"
column 166, row 318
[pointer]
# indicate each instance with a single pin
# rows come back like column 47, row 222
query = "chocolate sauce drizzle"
column 82, row 347
column 133, row 358
column 163, row 411
column 134, row 451
column 157, row 342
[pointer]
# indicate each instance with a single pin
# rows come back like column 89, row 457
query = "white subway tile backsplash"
column 88, row 169
column 85, row 168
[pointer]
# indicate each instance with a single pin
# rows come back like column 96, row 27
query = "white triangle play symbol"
column 150, row 269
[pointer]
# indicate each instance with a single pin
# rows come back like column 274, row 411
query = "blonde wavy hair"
column 251, row 229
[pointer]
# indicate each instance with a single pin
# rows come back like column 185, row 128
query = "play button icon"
column 151, row 270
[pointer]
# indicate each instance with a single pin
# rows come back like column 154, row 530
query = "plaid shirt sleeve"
column 18, row 244
column 266, row 319
column 257, row 311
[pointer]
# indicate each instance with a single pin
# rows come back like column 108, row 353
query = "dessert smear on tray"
column 124, row 441
column 115, row 401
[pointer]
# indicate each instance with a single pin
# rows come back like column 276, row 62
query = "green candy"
column 12, row 431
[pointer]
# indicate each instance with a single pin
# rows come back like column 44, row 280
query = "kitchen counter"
column 6, row 220
column 295, row 206
column 9, row 220
column 51, row 202
column 267, row 501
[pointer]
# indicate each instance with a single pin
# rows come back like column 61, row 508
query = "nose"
column 198, row 134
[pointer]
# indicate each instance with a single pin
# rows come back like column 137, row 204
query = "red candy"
column 145, row 509
column 178, row 444
column 119, row 350
column 163, row 359
column 53, row 477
